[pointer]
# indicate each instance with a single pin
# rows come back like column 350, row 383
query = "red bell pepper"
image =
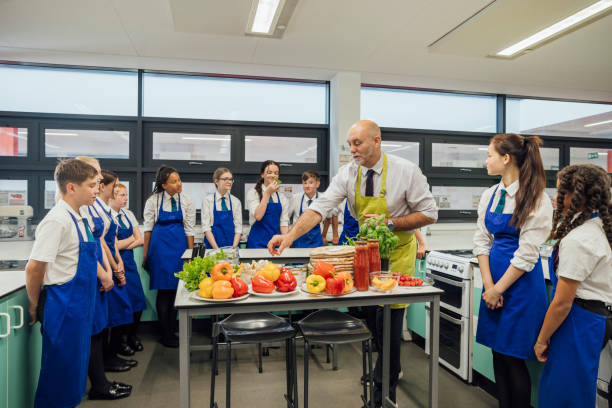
column 262, row 285
column 324, row 269
column 286, row 282
column 334, row 286
column 240, row 287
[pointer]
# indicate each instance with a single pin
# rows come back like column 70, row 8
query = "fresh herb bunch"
column 277, row 181
column 196, row 270
column 373, row 228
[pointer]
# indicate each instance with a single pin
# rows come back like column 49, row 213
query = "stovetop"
column 453, row 262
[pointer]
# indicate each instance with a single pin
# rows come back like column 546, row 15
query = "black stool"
column 255, row 328
column 334, row 327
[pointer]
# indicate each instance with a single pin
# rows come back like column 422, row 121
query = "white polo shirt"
column 585, row 256
column 57, row 243
column 208, row 217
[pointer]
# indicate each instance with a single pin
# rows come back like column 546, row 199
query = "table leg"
column 434, row 338
column 386, row 350
column 184, row 345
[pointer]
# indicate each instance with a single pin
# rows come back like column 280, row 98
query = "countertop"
column 11, row 281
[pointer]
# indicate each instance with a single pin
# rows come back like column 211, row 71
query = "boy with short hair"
column 301, row 201
column 61, row 285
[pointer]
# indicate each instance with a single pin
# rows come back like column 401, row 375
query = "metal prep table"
column 188, row 307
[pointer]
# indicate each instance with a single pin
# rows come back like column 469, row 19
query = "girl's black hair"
column 161, row 177
column 264, row 165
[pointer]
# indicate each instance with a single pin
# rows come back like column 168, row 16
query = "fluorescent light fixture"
column 205, row 138
column 556, row 28
column 266, row 15
column 60, row 134
column 598, row 123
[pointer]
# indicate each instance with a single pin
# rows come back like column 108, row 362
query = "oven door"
column 455, row 343
column 457, row 292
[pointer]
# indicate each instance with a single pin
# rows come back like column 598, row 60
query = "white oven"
column 452, row 272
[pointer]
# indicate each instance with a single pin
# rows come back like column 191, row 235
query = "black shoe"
column 121, row 386
column 170, row 341
column 135, row 344
column 124, row 350
column 116, row 367
column 112, row 394
column 131, row 363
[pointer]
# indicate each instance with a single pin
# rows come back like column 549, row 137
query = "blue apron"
column 66, row 329
column 569, row 378
column 168, row 242
column 119, row 307
column 512, row 329
column 100, row 319
column 269, row 225
column 350, row 228
column 132, row 278
column 223, row 225
column 313, row 238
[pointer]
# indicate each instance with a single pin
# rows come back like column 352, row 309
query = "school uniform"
column 276, row 216
column 119, row 306
column 313, row 238
column 170, row 219
column 126, row 221
column 66, row 244
column 569, row 378
column 222, row 215
column 512, row 330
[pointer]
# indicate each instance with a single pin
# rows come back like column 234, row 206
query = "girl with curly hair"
column 577, row 320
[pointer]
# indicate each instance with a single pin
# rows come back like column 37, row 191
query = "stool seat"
column 256, row 328
column 333, row 327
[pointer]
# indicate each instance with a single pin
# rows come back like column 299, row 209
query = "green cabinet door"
column 4, row 321
column 24, row 351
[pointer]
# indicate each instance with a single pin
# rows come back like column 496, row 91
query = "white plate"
column 274, row 294
column 304, row 289
column 196, row 296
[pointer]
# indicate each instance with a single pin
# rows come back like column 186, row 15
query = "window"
column 13, row 192
column 558, row 118
column 457, row 198
column 191, row 146
column 458, row 155
column 400, row 108
column 74, row 91
column 13, row 142
column 589, row 155
column 550, row 158
column 199, row 97
column 106, row 144
column 406, row 150
column 280, row 149
column 50, row 192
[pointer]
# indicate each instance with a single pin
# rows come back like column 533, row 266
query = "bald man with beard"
column 375, row 184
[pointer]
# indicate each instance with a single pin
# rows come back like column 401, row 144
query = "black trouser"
column 132, row 330
column 512, row 380
column 166, row 313
column 375, row 323
column 95, row 370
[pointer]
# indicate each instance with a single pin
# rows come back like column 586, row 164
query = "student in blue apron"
column 128, row 238
column 119, row 306
column 514, row 218
column 169, row 222
column 578, row 323
column 268, row 209
column 101, row 387
column 350, row 226
column 222, row 213
column 301, row 201
column 61, row 286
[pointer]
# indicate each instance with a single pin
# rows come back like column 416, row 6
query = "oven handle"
column 447, row 317
column 445, row 280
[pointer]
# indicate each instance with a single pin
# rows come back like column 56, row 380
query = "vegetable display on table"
column 195, row 271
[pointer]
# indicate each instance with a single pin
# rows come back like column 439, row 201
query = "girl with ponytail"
column 514, row 218
column 577, row 323
column 268, row 210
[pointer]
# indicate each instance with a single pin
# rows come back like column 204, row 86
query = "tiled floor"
column 156, row 380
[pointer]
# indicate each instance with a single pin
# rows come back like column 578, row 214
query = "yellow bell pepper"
column 206, row 288
column 315, row 284
column 270, row 272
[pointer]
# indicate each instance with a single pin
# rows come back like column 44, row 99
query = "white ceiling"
column 386, row 41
